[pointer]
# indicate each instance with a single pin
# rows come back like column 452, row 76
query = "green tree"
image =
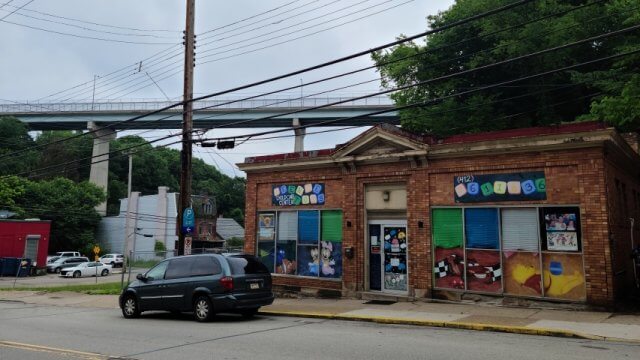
column 53, row 151
column 70, row 207
column 153, row 167
column 14, row 136
column 11, row 189
column 604, row 90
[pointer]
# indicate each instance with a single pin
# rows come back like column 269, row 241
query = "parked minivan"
column 205, row 284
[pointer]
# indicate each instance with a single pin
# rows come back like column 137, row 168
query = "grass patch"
column 91, row 289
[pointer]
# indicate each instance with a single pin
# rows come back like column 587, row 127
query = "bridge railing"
column 128, row 105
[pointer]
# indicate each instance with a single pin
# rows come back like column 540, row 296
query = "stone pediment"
column 380, row 144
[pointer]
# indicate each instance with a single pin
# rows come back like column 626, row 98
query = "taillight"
column 227, row 283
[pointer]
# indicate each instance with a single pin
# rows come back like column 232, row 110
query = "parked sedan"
column 65, row 262
column 93, row 268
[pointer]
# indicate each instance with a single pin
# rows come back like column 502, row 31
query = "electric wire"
column 90, row 29
column 413, row 105
column 85, row 36
column 94, row 23
column 16, row 9
column 315, row 67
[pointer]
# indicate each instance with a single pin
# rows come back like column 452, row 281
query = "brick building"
column 539, row 213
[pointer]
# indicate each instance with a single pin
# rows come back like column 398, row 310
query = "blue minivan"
column 204, row 284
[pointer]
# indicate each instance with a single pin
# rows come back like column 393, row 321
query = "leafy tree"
column 70, row 207
column 64, row 152
column 153, row 167
column 605, row 91
column 14, row 136
column 12, row 188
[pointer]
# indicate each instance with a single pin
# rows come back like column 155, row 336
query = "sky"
column 53, row 50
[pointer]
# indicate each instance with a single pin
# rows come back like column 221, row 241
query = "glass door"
column 388, row 245
column 394, row 266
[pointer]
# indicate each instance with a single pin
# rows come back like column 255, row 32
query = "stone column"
column 299, row 133
column 99, row 174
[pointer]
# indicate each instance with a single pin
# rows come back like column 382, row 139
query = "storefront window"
column 518, row 251
column 483, row 268
column 307, row 243
column 561, row 258
column 521, row 256
column 449, row 253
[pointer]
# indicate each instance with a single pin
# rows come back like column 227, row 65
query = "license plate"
column 255, row 286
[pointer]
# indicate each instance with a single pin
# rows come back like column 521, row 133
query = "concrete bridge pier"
column 99, row 174
column 299, row 136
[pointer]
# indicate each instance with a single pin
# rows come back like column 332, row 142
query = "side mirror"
column 141, row 277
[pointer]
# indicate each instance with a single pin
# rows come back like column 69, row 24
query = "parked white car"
column 61, row 254
column 115, row 260
column 93, row 268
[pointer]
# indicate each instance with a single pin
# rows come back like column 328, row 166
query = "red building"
column 28, row 238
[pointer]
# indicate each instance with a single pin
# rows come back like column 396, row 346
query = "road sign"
column 187, row 245
column 188, row 221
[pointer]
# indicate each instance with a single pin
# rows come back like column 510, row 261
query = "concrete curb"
column 449, row 324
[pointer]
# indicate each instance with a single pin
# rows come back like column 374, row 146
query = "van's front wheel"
column 202, row 309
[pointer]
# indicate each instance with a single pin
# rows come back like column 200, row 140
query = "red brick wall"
column 623, row 194
column 574, row 177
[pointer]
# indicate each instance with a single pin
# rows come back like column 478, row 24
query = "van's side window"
column 205, row 265
column 179, row 268
column 157, row 272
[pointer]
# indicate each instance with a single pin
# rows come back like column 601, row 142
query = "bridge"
column 254, row 113
column 104, row 118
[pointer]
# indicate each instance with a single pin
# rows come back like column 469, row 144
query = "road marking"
column 32, row 347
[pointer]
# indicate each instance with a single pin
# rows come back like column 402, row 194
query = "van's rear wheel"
column 203, row 309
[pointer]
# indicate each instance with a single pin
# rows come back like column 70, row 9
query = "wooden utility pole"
column 187, row 121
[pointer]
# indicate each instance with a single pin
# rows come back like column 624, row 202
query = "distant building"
column 153, row 218
column 25, row 238
column 228, row 228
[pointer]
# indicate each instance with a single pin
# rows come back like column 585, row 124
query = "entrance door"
column 388, row 255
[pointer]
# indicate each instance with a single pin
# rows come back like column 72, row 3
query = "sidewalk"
column 564, row 323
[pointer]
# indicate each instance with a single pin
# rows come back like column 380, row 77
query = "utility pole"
column 187, row 120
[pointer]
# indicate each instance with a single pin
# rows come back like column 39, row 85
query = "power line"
column 314, row 67
column 90, row 29
column 106, row 76
column 262, row 26
column 86, row 37
column 430, row 101
column 90, row 81
column 293, row 32
column 445, row 46
column 95, row 23
column 249, row 18
column 12, row 12
column 464, row 72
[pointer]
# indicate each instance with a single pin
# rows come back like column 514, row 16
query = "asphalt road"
column 50, row 332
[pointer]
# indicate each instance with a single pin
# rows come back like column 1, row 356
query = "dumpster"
column 10, row 267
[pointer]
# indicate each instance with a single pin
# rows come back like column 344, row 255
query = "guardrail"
column 229, row 103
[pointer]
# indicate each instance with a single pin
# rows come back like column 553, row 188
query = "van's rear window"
column 246, row 264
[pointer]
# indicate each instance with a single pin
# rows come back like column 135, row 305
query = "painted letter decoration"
column 500, row 187
column 298, row 194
